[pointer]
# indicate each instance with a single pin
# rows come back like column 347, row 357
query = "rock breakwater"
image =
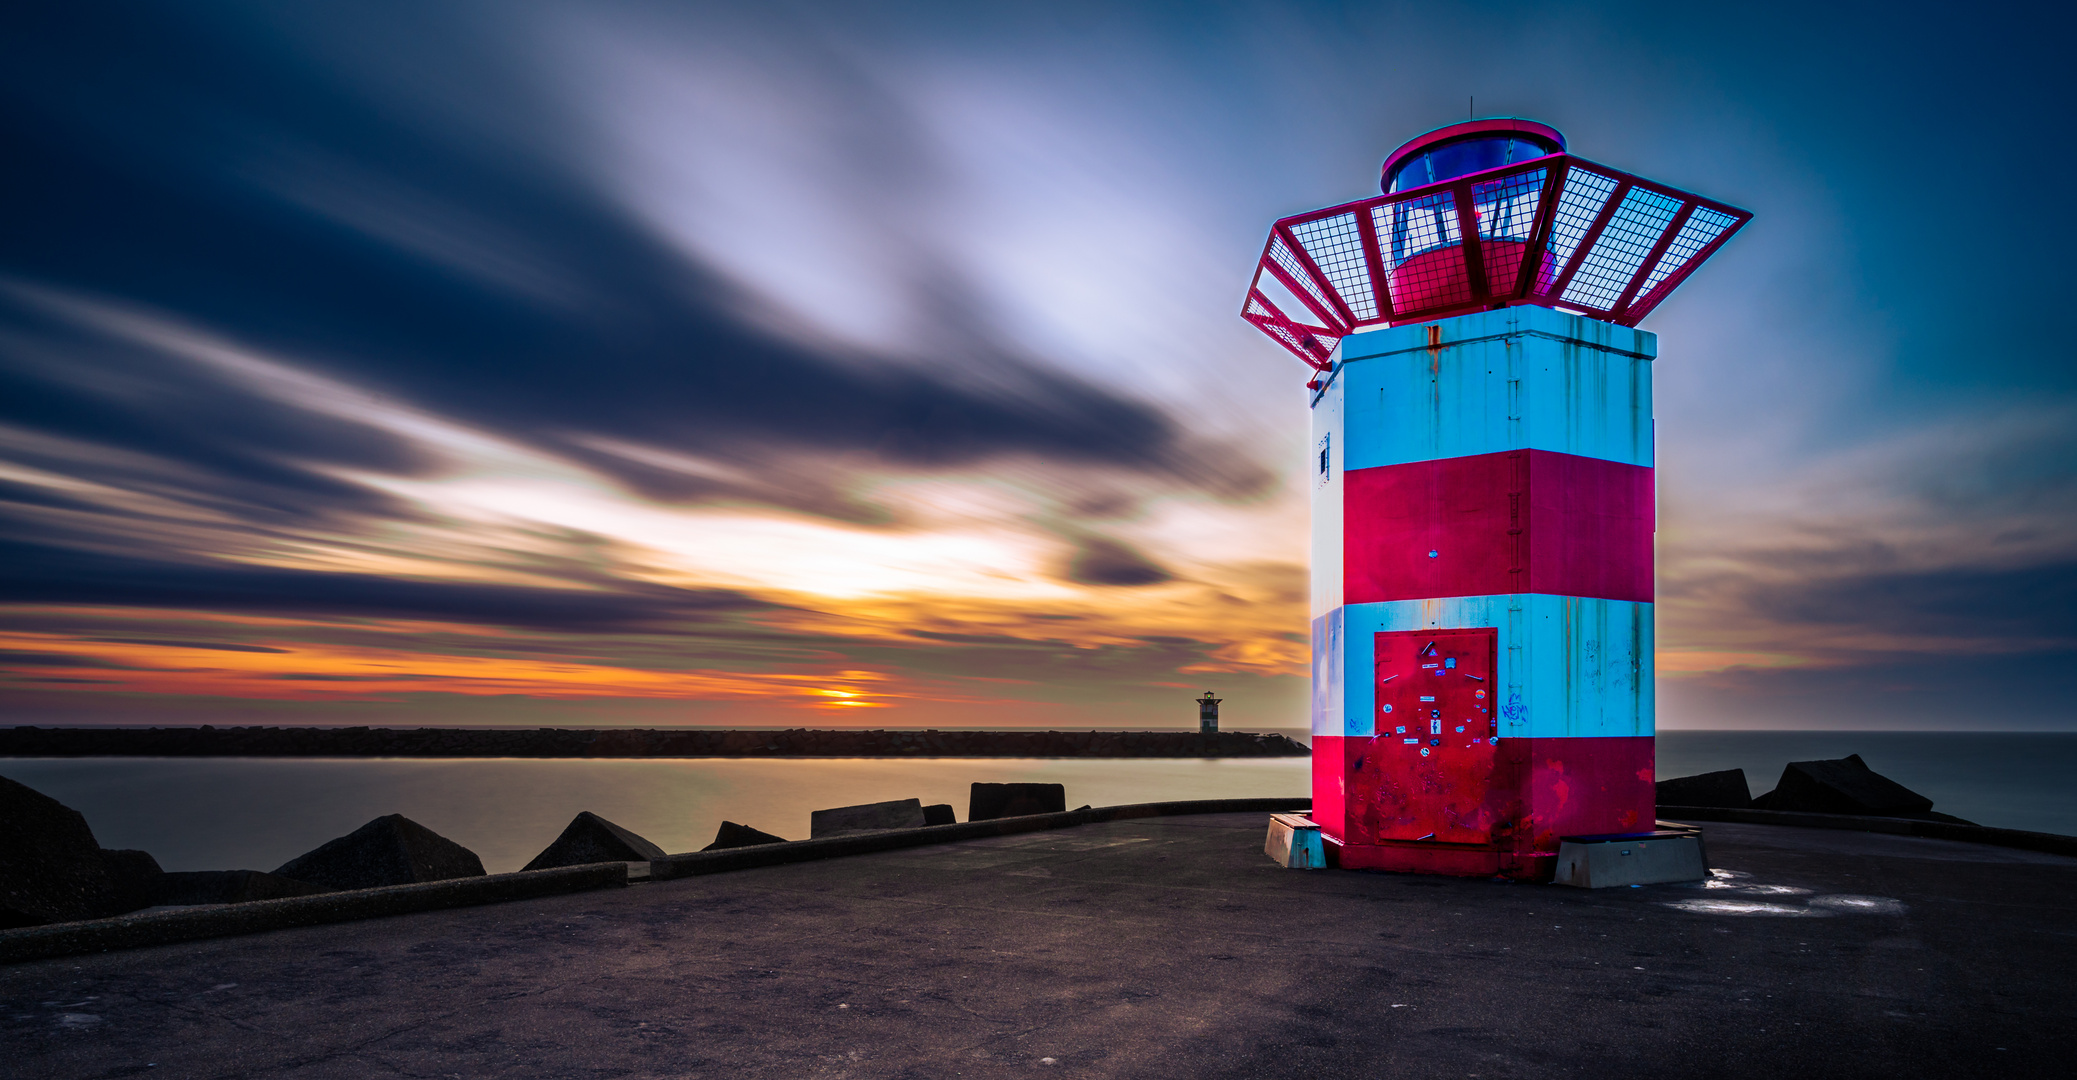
column 208, row 741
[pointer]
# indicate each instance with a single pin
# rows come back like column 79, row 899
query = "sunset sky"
column 836, row 364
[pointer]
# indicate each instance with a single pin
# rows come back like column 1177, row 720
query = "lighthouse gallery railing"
column 1557, row 231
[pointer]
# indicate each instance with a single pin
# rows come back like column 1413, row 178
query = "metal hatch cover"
column 1429, row 772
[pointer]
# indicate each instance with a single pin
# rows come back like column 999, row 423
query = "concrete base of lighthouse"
column 1482, row 592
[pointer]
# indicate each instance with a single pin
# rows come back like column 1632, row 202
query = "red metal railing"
column 1558, row 231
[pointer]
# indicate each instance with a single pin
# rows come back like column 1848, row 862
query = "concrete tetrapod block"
column 391, row 850
column 589, row 838
column 866, row 817
column 52, row 869
column 732, row 835
column 1653, row 858
column 1726, row 788
column 218, row 920
column 987, row 802
column 1842, row 786
column 1294, row 842
column 134, row 878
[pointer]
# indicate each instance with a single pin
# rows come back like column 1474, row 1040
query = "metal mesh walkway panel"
column 1558, row 231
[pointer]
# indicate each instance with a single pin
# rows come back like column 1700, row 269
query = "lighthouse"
column 1482, row 493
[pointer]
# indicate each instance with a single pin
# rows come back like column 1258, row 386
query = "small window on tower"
column 1320, row 475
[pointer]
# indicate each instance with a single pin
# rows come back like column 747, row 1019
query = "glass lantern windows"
column 1465, row 156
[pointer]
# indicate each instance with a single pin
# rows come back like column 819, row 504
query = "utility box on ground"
column 1651, row 858
column 1294, row 842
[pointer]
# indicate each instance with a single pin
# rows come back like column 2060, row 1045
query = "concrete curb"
column 746, row 858
column 2051, row 843
column 258, row 916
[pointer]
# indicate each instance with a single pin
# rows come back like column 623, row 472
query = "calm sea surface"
column 257, row 813
column 2007, row 779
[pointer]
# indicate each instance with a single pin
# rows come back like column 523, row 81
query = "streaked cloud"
column 632, row 361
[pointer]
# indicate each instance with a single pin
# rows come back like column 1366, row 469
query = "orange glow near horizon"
column 303, row 671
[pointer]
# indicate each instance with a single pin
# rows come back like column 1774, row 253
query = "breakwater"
column 208, row 741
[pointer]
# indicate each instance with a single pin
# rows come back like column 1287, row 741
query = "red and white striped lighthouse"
column 1482, row 497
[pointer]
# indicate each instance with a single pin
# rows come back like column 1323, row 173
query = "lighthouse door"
column 1430, row 766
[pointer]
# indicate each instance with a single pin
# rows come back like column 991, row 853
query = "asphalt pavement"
column 1154, row 947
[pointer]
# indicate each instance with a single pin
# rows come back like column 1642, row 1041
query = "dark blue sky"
column 669, row 362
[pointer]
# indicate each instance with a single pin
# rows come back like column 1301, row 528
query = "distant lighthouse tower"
column 1208, row 714
column 1482, row 493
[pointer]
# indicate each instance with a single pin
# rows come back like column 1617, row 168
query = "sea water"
column 257, row 813
column 2011, row 780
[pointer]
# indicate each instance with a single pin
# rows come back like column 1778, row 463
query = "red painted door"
column 1430, row 768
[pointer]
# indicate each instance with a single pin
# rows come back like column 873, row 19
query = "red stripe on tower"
column 1539, row 790
column 1520, row 521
